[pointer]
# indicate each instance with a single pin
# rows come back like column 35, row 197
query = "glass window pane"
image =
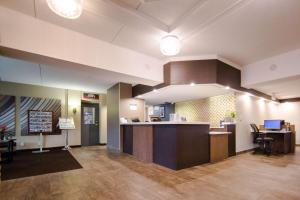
column 89, row 115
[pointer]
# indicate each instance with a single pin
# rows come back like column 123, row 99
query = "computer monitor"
column 273, row 124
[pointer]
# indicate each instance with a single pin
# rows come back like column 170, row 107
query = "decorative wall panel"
column 8, row 112
column 212, row 109
column 41, row 104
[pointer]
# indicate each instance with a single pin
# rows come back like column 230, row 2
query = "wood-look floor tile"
column 112, row 176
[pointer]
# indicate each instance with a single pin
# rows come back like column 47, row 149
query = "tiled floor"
column 112, row 176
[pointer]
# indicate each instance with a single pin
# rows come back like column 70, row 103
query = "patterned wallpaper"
column 212, row 109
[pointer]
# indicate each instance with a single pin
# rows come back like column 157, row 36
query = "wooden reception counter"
column 174, row 145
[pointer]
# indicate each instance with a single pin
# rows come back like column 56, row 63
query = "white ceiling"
column 178, row 93
column 243, row 31
column 283, row 88
column 88, row 79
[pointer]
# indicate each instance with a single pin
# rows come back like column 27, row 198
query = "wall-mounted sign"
column 90, row 96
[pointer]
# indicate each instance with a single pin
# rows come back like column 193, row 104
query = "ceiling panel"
column 243, row 31
column 145, row 40
column 88, row 23
column 167, row 11
column 258, row 30
column 24, row 6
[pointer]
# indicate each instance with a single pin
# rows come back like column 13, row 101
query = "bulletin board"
column 40, row 122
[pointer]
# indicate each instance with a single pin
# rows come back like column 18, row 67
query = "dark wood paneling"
column 228, row 75
column 231, row 139
column 127, row 139
column 290, row 100
column 143, row 142
column 141, row 89
column 281, row 143
column 181, row 146
column 198, row 71
column 218, row 147
column 256, row 93
column 193, row 145
column 164, row 145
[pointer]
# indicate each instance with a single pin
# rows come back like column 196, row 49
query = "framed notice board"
column 40, row 122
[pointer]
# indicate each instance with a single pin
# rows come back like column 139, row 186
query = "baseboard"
column 298, row 145
column 47, row 148
column 102, row 144
column 245, row 151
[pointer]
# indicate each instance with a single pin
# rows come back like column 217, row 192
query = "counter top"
column 166, row 122
column 219, row 133
column 279, row 131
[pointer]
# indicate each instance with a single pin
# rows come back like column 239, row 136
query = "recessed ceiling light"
column 170, row 45
column 70, row 9
column 227, row 87
column 155, row 90
column 192, row 84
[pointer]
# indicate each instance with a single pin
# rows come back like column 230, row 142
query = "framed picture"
column 162, row 112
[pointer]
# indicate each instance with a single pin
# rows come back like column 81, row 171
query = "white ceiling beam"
column 45, row 39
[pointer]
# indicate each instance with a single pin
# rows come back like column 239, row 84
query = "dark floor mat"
column 26, row 163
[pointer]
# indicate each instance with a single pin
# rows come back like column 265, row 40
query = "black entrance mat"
column 26, row 163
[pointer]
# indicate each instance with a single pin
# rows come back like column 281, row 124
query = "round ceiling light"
column 71, row 9
column 170, row 45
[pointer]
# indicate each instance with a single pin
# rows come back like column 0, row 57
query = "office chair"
column 265, row 143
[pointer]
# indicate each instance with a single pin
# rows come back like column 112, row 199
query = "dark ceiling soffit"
column 218, row 71
column 297, row 99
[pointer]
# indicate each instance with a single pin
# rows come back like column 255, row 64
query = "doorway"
column 89, row 124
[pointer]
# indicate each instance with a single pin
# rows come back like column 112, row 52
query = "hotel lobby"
column 150, row 99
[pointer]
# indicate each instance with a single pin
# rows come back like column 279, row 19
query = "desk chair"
column 265, row 143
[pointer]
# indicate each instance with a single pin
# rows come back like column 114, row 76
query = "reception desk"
column 173, row 145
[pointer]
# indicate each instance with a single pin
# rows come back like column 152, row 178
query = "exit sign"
column 90, row 96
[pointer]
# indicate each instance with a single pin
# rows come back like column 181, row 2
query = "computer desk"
column 282, row 143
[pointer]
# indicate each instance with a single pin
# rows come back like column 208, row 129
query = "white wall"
column 290, row 112
column 251, row 110
column 32, row 35
column 74, row 96
column 288, row 65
